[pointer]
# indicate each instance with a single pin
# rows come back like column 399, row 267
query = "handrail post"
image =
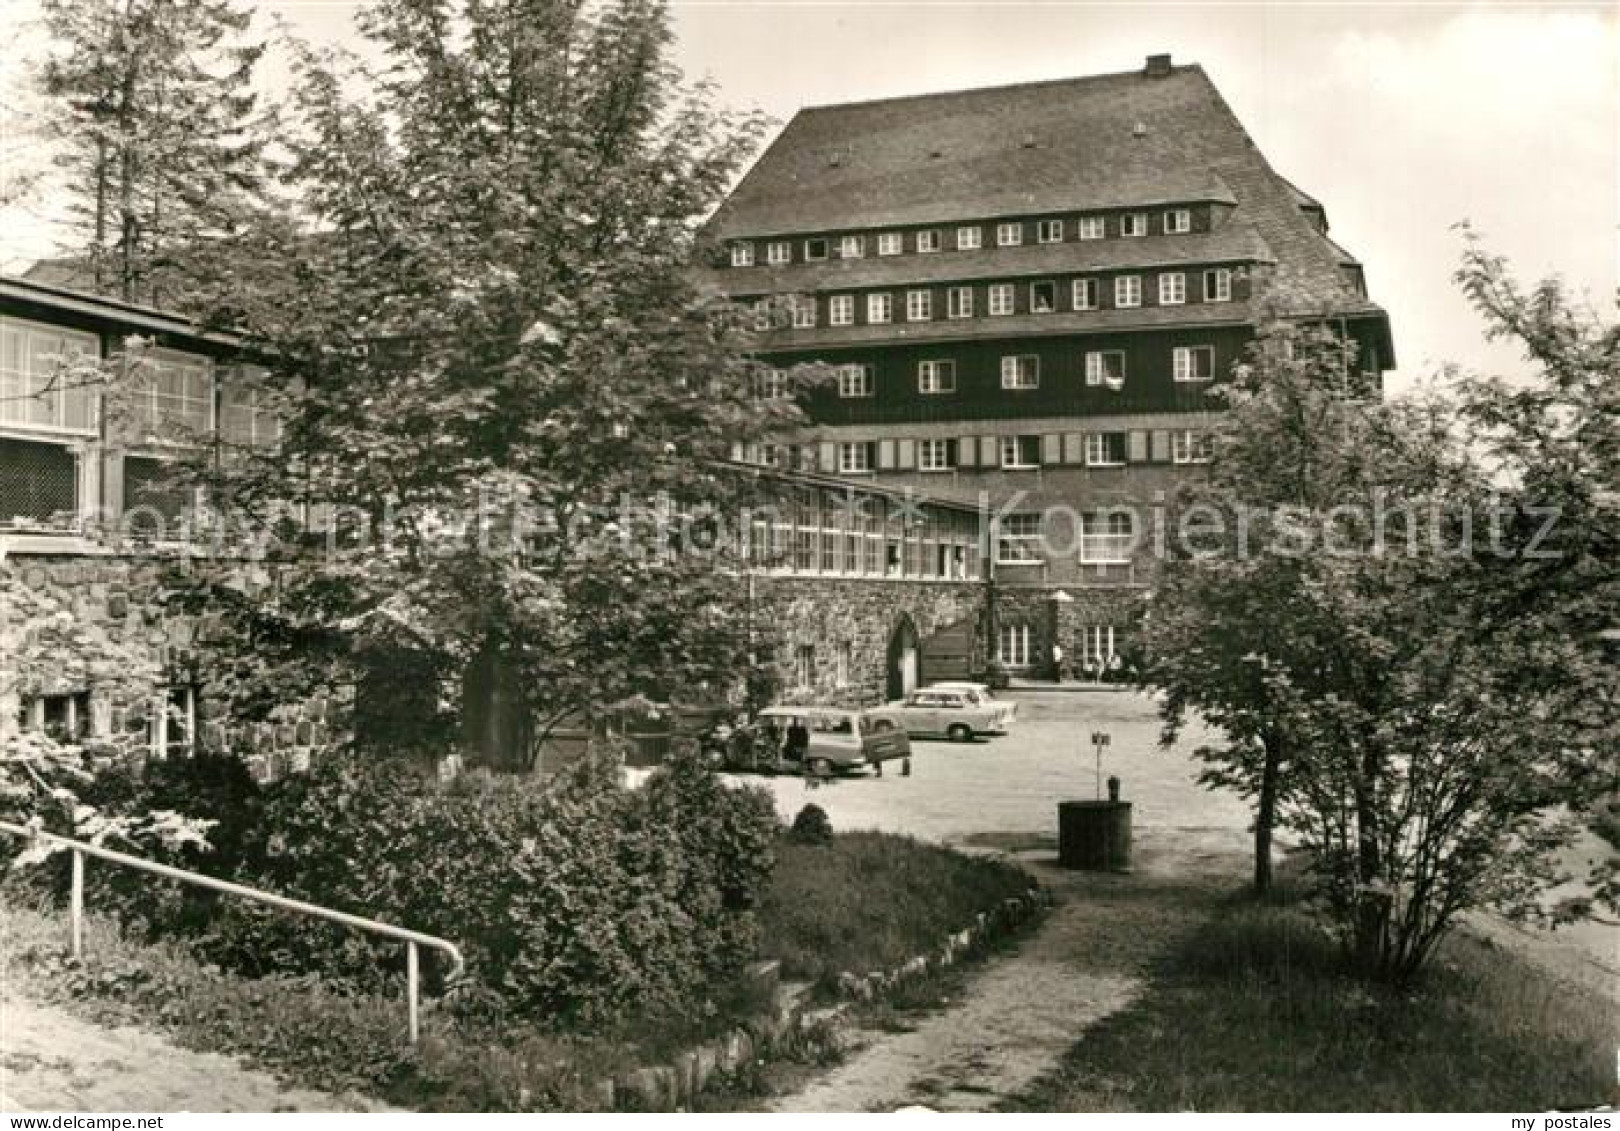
column 76, row 908
column 412, row 971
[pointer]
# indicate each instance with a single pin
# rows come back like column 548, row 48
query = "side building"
column 856, row 591
column 1028, row 294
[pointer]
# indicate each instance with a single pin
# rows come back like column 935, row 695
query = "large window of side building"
column 803, row 309
column 928, row 240
column 1128, row 291
column 1189, row 445
column 172, row 397
column 779, row 253
column 879, row 308
column 1018, row 539
column 1172, row 288
column 815, row 249
column 919, row 305
column 1009, row 235
column 1218, row 284
column 857, row 457
column 1105, row 368
column 1087, row 294
column 841, row 310
column 1043, row 297
column 1049, row 231
column 1012, row 645
column 47, row 407
column 889, row 243
column 1177, row 221
column 742, row 255
column 246, row 416
column 1133, row 224
column 1106, row 537
column 969, row 237
column 1091, row 228
column 851, row 247
column 1001, row 298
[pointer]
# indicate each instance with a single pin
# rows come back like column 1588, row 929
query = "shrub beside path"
column 51, row 1060
column 1019, row 1016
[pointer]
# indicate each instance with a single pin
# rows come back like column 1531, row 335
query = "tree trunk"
column 1265, row 817
column 1372, row 903
column 496, row 727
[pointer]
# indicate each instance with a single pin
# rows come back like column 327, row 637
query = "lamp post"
column 1053, row 623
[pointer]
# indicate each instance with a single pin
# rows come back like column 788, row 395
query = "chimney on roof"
column 1158, row 66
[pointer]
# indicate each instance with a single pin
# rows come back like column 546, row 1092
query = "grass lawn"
column 1253, row 1013
column 866, row 900
column 870, row 901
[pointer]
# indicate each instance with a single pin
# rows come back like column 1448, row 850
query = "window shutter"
column 1051, row 449
column 885, row 453
column 1137, row 448
column 905, row 454
column 827, row 456
column 967, row 451
column 988, row 456
column 1074, row 447
column 1160, row 451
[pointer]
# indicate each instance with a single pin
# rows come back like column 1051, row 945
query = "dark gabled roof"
column 1227, row 244
column 1103, row 141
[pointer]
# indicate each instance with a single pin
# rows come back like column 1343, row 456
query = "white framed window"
column 1097, row 647
column 851, row 247
column 173, row 391
column 1020, row 371
column 1001, row 298
column 1049, row 231
column 762, row 314
column 1091, row 228
column 1177, row 221
column 889, row 243
column 742, row 255
column 1087, row 294
column 779, row 253
column 879, row 307
column 1133, row 224
column 804, row 311
column 1190, row 446
column 1218, row 284
column 1172, row 288
column 1020, row 453
column 1128, row 290
column 1106, row 368
column 969, row 237
column 173, row 728
column 919, row 306
column 1192, row 363
column 1018, row 538
column 854, row 458
column 771, row 384
column 929, row 240
column 936, row 455
column 246, row 417
column 936, row 376
column 841, row 310
column 959, row 302
column 804, row 665
column 1107, row 537
column 37, row 387
column 1012, row 645
column 856, row 380
column 64, row 717
column 1105, row 449
column 815, row 249
column 1009, row 235
column 1043, row 297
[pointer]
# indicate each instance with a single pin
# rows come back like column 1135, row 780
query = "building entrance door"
column 904, row 666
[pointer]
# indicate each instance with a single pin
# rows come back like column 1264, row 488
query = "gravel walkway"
column 53, row 1061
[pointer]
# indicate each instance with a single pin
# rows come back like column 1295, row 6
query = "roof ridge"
column 993, row 89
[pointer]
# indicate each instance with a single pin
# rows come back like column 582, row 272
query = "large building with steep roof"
column 1029, row 293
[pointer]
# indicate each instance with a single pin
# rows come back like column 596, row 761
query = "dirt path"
column 1025, row 1010
column 53, row 1061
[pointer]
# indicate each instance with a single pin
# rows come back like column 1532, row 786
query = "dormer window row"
column 1115, row 224
column 959, row 301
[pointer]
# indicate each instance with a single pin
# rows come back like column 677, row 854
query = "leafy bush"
column 575, row 903
column 812, row 826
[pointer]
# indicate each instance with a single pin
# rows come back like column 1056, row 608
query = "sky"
column 1403, row 119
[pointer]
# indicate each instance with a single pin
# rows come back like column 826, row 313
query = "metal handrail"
column 81, row 849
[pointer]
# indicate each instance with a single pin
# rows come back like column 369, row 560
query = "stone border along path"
column 51, row 1060
column 1020, row 1014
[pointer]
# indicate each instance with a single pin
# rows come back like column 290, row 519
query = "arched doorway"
column 904, row 659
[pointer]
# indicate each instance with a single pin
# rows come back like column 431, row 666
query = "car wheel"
column 819, row 768
column 882, row 726
column 959, row 732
